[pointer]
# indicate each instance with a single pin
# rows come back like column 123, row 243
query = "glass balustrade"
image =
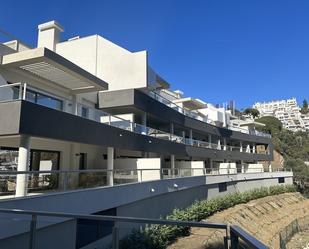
column 18, row 91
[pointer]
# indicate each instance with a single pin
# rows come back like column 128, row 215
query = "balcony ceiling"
column 50, row 66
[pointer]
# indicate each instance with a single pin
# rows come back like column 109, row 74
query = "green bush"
column 160, row 236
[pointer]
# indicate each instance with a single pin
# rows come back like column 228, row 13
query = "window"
column 48, row 101
column 281, row 180
column 40, row 98
column 85, row 112
column 222, row 187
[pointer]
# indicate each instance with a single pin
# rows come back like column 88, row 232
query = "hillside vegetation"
column 293, row 146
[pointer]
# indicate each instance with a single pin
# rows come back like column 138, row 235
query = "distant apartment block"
column 287, row 111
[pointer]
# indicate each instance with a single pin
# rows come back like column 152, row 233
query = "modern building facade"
column 86, row 113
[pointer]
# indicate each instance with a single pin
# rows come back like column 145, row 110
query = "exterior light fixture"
column 150, row 141
column 152, row 190
column 120, row 135
column 175, row 185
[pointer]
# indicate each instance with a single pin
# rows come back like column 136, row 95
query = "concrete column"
column 171, row 131
column 184, row 136
column 23, row 163
column 241, row 149
column 248, row 150
column 144, row 123
column 270, row 167
column 211, row 165
column 209, row 140
column 191, row 136
column 219, row 145
column 253, row 148
column 242, row 166
column 224, row 144
column 75, row 105
column 172, row 164
column 110, row 166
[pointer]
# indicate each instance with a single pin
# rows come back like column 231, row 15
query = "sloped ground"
column 263, row 218
column 299, row 240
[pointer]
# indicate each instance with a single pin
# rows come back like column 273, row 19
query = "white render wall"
column 119, row 67
column 254, row 168
column 227, row 168
column 139, row 164
column 197, row 166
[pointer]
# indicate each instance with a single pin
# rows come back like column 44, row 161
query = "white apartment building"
column 287, row 111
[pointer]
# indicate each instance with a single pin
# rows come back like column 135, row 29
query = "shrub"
column 160, row 236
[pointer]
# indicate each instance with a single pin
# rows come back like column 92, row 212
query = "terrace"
column 23, row 91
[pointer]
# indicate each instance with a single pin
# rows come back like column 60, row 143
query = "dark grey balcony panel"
column 22, row 117
column 223, row 154
column 41, row 121
column 9, row 118
column 108, row 101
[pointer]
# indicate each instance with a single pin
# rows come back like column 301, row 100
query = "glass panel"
column 48, row 101
column 30, row 96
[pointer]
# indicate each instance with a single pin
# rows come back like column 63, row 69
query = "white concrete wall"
column 117, row 66
column 196, row 166
column 254, row 168
column 227, row 168
column 216, row 114
column 141, row 166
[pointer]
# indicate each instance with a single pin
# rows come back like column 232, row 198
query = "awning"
column 50, row 66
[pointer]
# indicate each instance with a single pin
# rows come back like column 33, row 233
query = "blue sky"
column 215, row 50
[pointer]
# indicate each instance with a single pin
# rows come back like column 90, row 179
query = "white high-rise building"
column 287, row 111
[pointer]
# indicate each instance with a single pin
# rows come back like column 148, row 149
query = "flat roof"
column 51, row 66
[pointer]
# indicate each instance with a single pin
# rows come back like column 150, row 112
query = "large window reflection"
column 40, row 160
column 40, row 98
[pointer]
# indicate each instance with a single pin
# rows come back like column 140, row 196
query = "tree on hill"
column 304, row 109
column 252, row 111
column 294, row 146
column 272, row 124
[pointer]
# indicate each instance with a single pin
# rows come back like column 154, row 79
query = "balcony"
column 22, row 91
column 195, row 115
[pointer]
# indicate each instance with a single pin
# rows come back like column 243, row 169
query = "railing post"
column 234, row 240
column 24, row 91
column 32, row 238
column 141, row 175
column 65, row 181
column 115, row 236
column 227, row 242
column 20, row 93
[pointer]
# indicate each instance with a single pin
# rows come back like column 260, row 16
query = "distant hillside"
column 293, row 146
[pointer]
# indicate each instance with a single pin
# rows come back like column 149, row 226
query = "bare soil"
column 263, row 218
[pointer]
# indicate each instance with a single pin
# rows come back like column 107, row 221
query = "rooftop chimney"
column 49, row 35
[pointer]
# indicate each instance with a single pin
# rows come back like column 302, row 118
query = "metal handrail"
column 232, row 232
column 115, row 218
column 236, row 232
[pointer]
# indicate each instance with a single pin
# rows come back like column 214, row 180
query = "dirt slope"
column 263, row 218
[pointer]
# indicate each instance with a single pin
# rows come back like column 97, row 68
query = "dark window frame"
column 222, row 186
